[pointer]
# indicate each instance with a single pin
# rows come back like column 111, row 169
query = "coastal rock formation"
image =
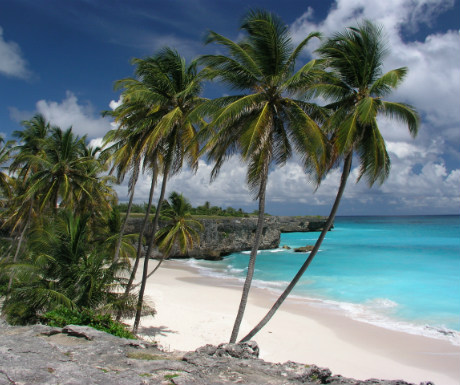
column 42, row 355
column 303, row 249
column 223, row 236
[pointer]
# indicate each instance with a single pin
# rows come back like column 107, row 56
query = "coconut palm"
column 356, row 88
column 124, row 157
column 180, row 228
column 21, row 208
column 160, row 99
column 269, row 121
column 5, row 155
column 64, row 170
column 65, row 265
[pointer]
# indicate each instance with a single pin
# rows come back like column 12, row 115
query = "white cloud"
column 420, row 175
column 420, row 180
column 11, row 61
column 70, row 112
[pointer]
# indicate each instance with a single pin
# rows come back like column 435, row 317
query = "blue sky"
column 61, row 58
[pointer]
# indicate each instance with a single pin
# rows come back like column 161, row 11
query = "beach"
column 194, row 310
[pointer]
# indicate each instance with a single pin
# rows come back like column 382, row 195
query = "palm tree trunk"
column 18, row 248
column 128, row 211
column 149, row 250
column 129, row 285
column 252, row 258
column 327, row 226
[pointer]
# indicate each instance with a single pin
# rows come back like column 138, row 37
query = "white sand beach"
column 193, row 311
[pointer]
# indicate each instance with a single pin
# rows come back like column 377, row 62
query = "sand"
column 193, row 310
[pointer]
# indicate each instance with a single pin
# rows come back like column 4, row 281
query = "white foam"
column 378, row 312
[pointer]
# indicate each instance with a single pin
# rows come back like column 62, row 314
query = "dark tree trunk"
column 149, row 251
column 284, row 295
column 140, row 241
column 128, row 211
column 252, row 259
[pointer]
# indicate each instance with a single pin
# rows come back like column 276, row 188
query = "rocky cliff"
column 222, row 236
column 75, row 355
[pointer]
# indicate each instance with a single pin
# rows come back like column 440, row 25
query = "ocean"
column 402, row 273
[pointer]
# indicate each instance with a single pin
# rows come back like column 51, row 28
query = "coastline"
column 195, row 310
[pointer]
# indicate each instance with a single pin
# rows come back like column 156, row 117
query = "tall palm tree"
column 127, row 151
column 356, row 88
column 162, row 95
column 268, row 122
column 21, row 208
column 124, row 157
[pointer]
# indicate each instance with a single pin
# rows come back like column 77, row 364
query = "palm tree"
column 267, row 123
column 179, row 86
column 21, row 208
column 64, row 170
column 160, row 99
column 5, row 155
column 65, row 265
column 124, row 157
column 180, row 229
column 127, row 151
column 356, row 88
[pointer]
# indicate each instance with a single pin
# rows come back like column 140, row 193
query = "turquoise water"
column 399, row 272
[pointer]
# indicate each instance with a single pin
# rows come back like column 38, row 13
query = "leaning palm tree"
column 356, row 88
column 269, row 121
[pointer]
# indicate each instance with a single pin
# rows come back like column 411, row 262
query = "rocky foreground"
column 81, row 355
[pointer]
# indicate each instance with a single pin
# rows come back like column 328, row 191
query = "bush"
column 63, row 316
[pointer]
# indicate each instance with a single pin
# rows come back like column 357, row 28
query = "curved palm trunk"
column 18, row 248
column 252, row 258
column 129, row 285
column 15, row 258
column 128, row 211
column 287, row 291
column 147, row 255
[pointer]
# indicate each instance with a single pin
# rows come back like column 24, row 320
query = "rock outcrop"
column 223, row 236
column 303, row 249
column 74, row 355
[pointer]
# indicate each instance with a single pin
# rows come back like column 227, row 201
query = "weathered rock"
column 286, row 247
column 223, row 236
column 303, row 249
column 42, row 355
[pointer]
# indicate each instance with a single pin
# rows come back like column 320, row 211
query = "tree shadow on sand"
column 154, row 331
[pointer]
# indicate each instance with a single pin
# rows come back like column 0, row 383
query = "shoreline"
column 194, row 310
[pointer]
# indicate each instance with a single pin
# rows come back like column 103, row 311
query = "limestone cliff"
column 222, row 236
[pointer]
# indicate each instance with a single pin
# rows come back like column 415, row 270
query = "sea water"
column 401, row 273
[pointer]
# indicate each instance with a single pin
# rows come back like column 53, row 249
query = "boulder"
column 304, row 249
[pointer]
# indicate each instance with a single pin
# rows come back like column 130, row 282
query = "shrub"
column 63, row 316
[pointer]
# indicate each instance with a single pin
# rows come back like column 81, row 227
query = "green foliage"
column 62, row 316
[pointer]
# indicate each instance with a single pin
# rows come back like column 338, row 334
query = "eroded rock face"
column 224, row 236
column 42, row 355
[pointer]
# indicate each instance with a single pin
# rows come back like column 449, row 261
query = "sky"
column 61, row 59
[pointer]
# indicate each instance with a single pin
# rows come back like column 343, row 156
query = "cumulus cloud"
column 72, row 113
column 421, row 174
column 12, row 62
column 421, row 179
